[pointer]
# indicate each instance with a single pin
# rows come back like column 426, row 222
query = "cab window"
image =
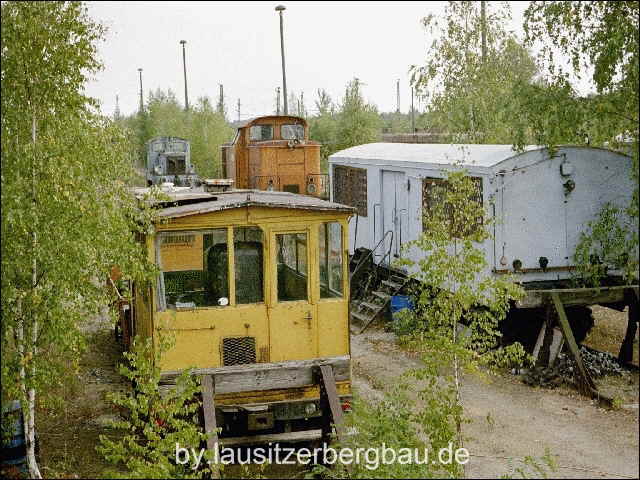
column 292, row 132
column 330, row 261
column 248, row 262
column 292, row 266
column 260, row 133
column 194, row 269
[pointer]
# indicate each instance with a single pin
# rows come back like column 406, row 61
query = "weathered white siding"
column 534, row 217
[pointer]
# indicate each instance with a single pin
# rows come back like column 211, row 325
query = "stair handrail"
column 362, row 261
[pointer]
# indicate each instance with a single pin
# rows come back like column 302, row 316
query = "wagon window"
column 261, row 133
column 292, row 132
column 432, row 191
column 247, row 247
column 350, row 187
column 194, row 269
column 330, row 252
column 292, row 266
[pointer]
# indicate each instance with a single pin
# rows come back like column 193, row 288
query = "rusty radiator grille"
column 238, row 350
column 350, row 187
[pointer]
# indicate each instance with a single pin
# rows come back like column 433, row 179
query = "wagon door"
column 393, row 197
column 532, row 218
column 292, row 316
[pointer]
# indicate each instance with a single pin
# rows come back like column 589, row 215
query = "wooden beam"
column 329, row 402
column 573, row 296
column 266, row 376
column 287, row 437
column 626, row 349
column 584, row 382
column 210, row 427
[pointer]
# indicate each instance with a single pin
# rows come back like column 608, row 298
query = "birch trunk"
column 30, row 420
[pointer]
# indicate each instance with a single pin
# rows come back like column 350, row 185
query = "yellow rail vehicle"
column 254, row 289
column 275, row 153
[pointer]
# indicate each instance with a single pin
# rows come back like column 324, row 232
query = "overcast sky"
column 238, row 44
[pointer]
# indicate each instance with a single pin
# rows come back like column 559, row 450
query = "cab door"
column 292, row 314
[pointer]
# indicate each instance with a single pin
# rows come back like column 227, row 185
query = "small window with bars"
column 238, row 350
column 433, row 189
column 350, row 187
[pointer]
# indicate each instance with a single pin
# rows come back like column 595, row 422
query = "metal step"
column 371, row 306
column 391, row 284
column 381, row 295
column 363, row 318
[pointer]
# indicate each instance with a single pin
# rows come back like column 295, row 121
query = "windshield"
column 261, row 133
column 292, row 132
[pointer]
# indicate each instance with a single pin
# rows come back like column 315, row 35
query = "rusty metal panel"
column 350, row 187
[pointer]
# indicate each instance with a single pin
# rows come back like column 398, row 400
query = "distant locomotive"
column 169, row 160
column 274, row 153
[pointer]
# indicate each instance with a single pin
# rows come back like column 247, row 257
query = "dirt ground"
column 510, row 420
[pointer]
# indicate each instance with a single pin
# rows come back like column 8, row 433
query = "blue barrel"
column 399, row 302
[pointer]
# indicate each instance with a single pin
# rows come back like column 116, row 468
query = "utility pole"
column 398, row 96
column 277, row 100
column 483, row 27
column 302, row 104
column 141, row 98
column 413, row 114
column 221, row 100
column 238, row 109
column 116, row 113
column 184, row 68
column 280, row 9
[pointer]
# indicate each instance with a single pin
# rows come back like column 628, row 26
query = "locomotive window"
column 247, row 248
column 292, row 266
column 330, row 251
column 176, row 165
column 261, row 133
column 194, row 269
column 157, row 147
column 179, row 147
column 292, row 132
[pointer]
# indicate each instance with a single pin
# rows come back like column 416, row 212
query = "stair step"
column 371, row 306
column 391, row 284
column 382, row 295
column 363, row 318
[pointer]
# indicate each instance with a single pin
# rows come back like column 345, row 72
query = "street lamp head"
column 280, row 8
column 140, row 70
column 182, row 42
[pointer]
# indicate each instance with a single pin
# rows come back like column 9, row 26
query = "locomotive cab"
column 274, row 153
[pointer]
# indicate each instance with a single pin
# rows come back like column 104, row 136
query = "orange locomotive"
column 274, row 153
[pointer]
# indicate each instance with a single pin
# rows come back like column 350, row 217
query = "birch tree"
column 66, row 214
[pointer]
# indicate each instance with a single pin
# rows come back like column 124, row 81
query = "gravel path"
column 511, row 420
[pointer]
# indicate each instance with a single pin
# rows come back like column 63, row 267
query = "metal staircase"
column 376, row 291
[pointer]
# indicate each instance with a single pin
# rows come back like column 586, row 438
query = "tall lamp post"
column 280, row 9
column 141, row 97
column 184, row 68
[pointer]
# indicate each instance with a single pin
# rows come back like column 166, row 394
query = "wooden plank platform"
column 266, row 376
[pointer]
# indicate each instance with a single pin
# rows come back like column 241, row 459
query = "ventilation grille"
column 238, row 350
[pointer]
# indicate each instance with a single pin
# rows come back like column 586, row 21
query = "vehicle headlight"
column 310, row 408
column 311, row 188
column 158, row 169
